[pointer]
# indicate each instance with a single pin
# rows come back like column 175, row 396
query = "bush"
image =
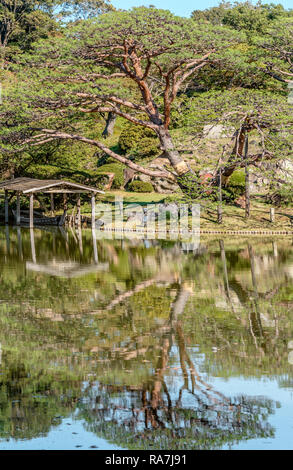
column 138, row 141
column 235, row 186
column 87, row 177
column 96, row 178
column 43, row 171
column 140, row 187
column 117, row 169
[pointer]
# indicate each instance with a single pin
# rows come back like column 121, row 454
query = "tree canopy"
column 139, row 65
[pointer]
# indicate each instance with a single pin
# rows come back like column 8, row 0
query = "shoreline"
column 171, row 232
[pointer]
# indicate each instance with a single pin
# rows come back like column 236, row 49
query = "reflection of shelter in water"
column 66, row 269
column 62, row 268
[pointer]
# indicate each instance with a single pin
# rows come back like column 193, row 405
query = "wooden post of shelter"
column 6, row 207
column 31, row 223
column 272, row 215
column 65, row 205
column 18, row 208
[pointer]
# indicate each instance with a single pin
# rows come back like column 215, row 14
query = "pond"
column 145, row 344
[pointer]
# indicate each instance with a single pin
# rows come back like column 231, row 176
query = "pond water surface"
column 145, row 344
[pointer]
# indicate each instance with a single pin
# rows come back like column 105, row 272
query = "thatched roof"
column 31, row 185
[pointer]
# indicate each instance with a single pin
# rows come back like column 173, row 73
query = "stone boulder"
column 280, row 172
column 160, row 185
column 217, row 131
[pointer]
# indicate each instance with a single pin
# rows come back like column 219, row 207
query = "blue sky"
column 183, row 7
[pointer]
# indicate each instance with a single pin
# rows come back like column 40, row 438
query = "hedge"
column 140, row 187
column 138, row 141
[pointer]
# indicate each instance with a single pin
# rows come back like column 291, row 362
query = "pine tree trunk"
column 233, row 162
column 186, row 178
column 247, row 186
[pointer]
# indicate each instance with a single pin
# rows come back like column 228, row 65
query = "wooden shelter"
column 32, row 187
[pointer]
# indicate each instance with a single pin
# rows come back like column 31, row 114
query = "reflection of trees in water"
column 31, row 403
column 128, row 325
column 134, row 421
column 161, row 415
column 248, row 324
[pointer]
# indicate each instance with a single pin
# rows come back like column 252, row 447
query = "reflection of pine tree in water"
column 161, row 415
column 159, row 407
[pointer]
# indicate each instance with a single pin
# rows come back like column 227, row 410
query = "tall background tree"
column 23, row 22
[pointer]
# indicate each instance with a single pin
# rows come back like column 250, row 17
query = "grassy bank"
column 233, row 217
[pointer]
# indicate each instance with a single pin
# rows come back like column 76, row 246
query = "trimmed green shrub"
column 115, row 168
column 138, row 141
column 235, row 186
column 96, row 178
column 55, row 172
column 140, row 187
column 87, row 177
